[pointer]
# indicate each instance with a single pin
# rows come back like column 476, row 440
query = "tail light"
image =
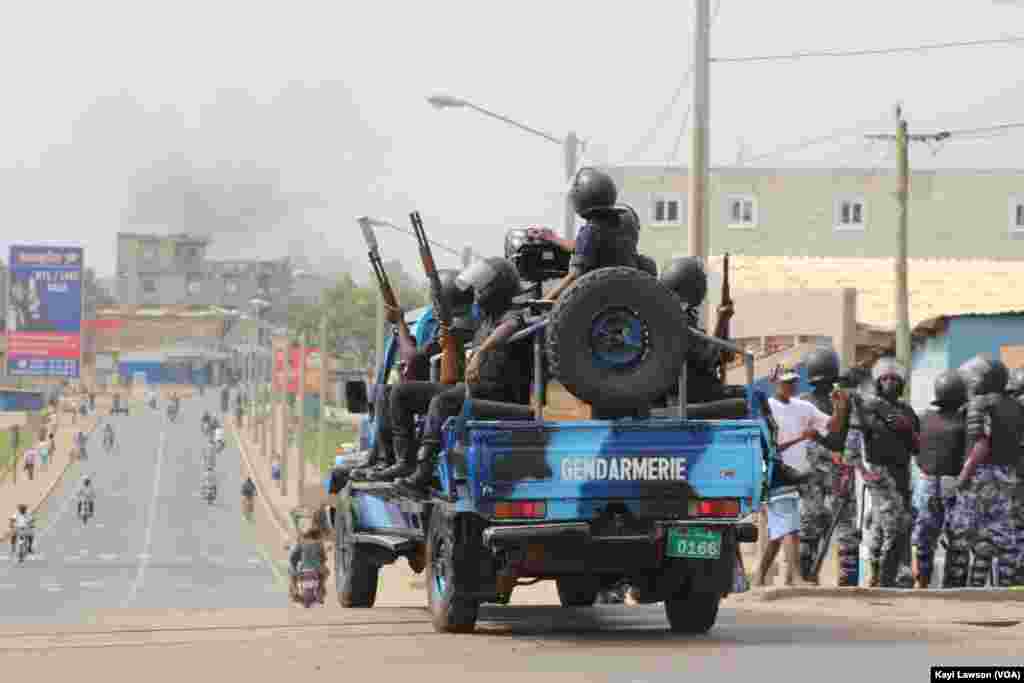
column 714, row 507
column 521, row 509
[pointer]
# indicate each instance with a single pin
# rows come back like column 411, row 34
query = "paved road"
column 153, row 542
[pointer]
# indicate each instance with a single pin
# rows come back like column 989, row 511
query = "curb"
column 259, row 487
column 1015, row 594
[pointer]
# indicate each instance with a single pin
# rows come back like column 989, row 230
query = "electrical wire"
column 439, row 245
column 811, row 142
column 969, row 132
column 862, row 53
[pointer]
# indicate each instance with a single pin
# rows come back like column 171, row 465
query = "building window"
column 666, row 210
column 742, row 212
column 850, row 214
column 1017, row 214
column 149, row 286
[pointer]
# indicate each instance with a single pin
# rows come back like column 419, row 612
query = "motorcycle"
column 310, row 590
column 85, row 510
column 22, row 547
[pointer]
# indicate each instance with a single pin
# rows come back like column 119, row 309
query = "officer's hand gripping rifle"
column 386, row 291
column 452, row 355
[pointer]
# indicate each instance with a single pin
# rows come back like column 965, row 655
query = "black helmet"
column 686, row 277
column 1015, row 385
column 459, row 301
column 592, row 190
column 822, row 366
column 647, row 264
column 985, row 375
column 495, row 282
column 950, row 390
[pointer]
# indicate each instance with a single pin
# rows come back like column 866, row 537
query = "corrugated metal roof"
column 932, row 325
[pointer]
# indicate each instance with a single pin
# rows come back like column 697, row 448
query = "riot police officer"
column 983, row 518
column 940, row 460
column 891, row 432
column 609, row 238
column 413, row 366
column 495, row 372
column 827, row 492
column 1015, row 387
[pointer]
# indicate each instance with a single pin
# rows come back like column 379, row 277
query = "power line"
column 689, row 107
column 861, row 53
column 442, row 247
column 987, row 129
column 811, row 142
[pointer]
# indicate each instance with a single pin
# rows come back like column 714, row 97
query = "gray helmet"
column 592, row 191
column 495, row 282
column 822, row 366
column 950, row 390
column 984, row 375
column 686, row 277
column 459, row 301
column 1015, row 385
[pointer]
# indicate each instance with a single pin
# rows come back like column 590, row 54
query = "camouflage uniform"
column 932, row 508
column 821, row 498
column 981, row 522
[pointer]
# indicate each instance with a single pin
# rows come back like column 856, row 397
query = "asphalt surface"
column 153, row 542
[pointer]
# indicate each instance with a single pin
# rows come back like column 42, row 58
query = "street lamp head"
column 442, row 101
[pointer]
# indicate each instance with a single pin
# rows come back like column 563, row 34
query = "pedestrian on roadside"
column 30, row 463
column 44, row 452
column 798, row 422
column 53, row 444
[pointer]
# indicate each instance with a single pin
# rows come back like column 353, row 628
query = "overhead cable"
column 865, row 53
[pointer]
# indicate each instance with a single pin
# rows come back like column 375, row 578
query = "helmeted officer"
column 940, row 460
column 891, row 432
column 983, row 519
column 825, row 494
column 609, row 237
column 495, row 372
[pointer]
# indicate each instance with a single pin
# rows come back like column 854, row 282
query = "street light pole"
column 698, row 180
column 570, row 146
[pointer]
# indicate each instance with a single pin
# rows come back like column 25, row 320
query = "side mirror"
column 356, row 399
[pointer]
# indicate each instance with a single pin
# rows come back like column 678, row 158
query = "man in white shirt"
column 798, row 421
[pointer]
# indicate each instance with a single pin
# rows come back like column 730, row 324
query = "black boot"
column 420, row 480
column 372, row 463
column 405, row 455
column 784, row 475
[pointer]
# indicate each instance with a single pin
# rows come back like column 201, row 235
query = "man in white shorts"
column 798, row 421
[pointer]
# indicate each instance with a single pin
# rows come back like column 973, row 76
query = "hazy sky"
column 331, row 96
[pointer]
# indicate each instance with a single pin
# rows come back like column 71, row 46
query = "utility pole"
column 902, row 292
column 322, row 441
column 698, row 178
column 570, row 144
column 300, row 403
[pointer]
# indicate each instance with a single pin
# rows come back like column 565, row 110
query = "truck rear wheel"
column 355, row 576
column 692, row 612
column 449, row 612
column 577, row 591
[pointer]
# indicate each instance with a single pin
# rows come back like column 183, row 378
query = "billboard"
column 312, row 369
column 44, row 311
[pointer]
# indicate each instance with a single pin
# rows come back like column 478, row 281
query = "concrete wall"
column 796, row 212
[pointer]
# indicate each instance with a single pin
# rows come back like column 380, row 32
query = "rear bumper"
column 524, row 533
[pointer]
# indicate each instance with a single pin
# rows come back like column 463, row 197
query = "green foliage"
column 351, row 311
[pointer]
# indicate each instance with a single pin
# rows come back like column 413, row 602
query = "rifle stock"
column 452, row 355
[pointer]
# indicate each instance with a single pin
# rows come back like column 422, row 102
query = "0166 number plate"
column 694, row 542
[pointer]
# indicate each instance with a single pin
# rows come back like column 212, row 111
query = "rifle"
column 722, row 323
column 452, row 354
column 387, row 292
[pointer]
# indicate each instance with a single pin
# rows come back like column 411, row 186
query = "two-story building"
column 954, row 214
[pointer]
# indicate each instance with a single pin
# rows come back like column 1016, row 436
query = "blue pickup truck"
column 659, row 499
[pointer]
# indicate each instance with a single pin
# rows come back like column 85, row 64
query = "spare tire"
column 617, row 339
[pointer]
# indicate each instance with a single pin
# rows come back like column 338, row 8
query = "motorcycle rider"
column 248, row 493
column 308, row 554
column 607, row 239
column 822, row 496
column 892, row 433
column 940, row 460
column 108, row 436
column 86, row 496
column 24, row 525
column 494, row 372
column 414, row 366
column 204, row 421
column 208, row 483
column 984, row 516
column 218, row 436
